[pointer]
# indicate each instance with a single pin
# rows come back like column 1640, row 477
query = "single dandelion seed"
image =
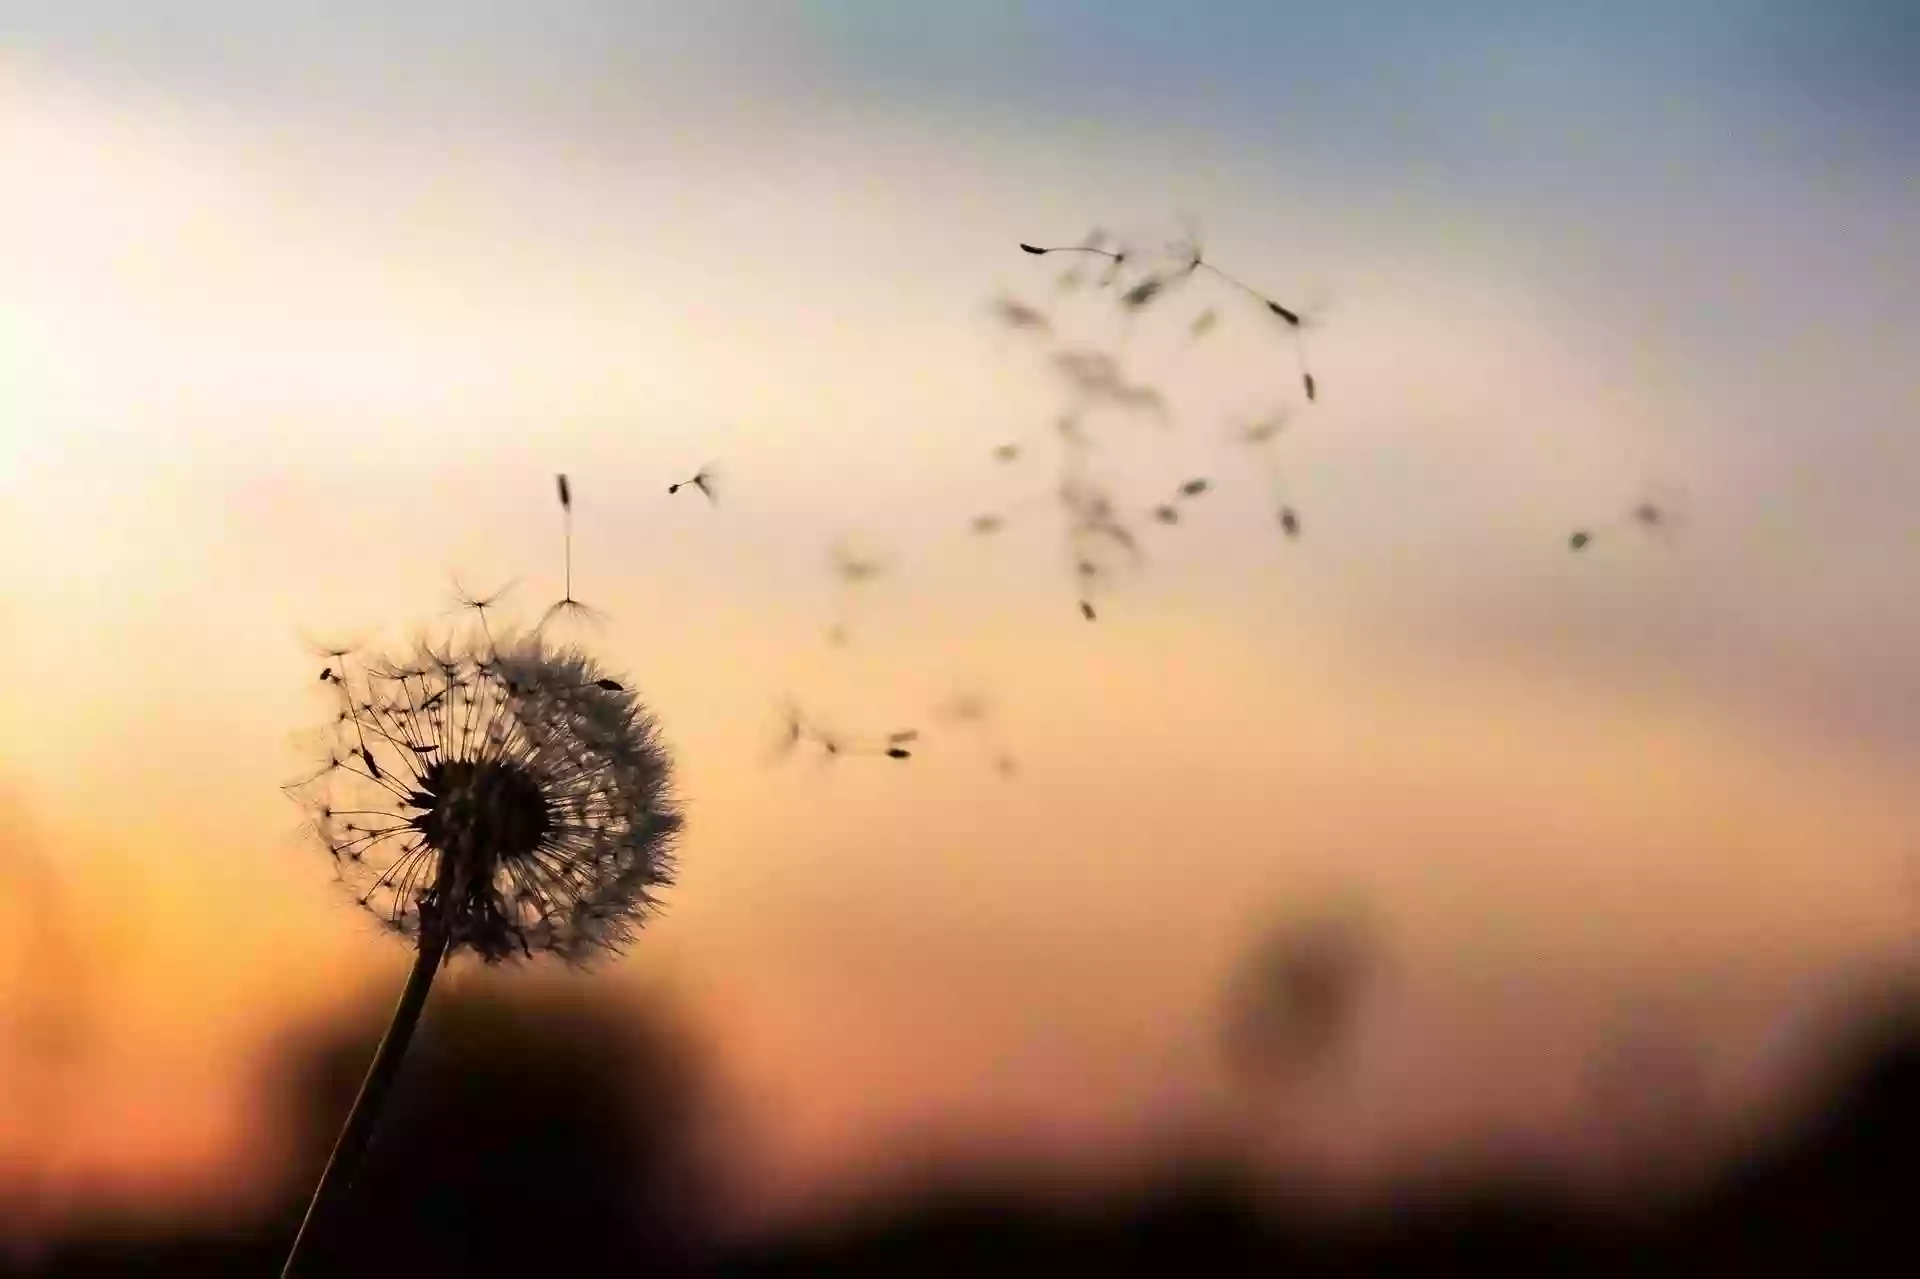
column 971, row 709
column 523, row 807
column 1195, row 487
column 1016, row 314
column 1289, row 521
column 793, row 728
column 1166, row 513
column 964, row 708
column 1293, row 319
column 1093, row 248
column 1264, row 430
column 1006, row 453
column 1655, row 516
column 1095, row 377
column 479, row 604
column 567, row 605
column 1086, row 610
column 1142, row 294
column 1659, row 516
column 796, row 728
column 706, row 479
column 985, row 524
column 854, row 565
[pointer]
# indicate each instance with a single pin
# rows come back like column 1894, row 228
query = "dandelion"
column 508, row 799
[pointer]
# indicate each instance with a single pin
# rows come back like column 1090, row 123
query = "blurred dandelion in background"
column 1295, row 995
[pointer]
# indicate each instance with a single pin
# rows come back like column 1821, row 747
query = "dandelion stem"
column 365, row 1115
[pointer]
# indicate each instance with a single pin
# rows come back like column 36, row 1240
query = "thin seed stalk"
column 351, row 1147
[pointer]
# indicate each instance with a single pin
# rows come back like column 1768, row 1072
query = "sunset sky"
column 302, row 307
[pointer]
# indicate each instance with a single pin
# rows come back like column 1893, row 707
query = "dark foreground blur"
column 534, row 1137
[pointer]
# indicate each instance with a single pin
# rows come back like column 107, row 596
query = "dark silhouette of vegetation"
column 529, row 1136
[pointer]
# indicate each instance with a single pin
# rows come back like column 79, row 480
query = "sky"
column 306, row 306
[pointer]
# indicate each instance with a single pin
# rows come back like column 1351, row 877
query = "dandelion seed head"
column 513, row 796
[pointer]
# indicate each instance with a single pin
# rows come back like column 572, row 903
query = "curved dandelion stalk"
column 506, row 798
